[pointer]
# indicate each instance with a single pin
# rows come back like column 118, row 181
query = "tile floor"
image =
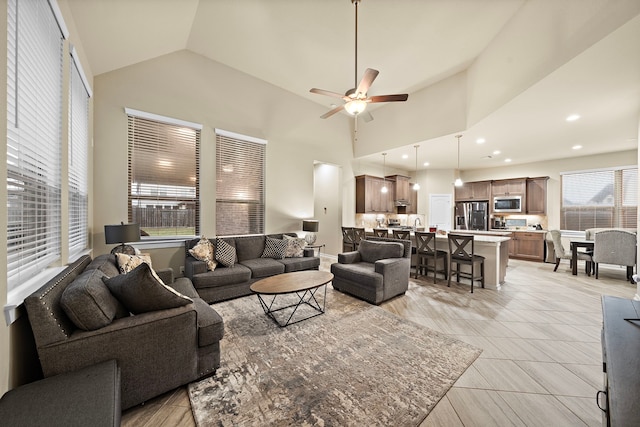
column 541, row 364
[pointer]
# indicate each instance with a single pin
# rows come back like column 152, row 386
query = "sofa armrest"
column 192, row 267
column 392, row 268
column 309, row 252
column 349, row 257
column 166, row 275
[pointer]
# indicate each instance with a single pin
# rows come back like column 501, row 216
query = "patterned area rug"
column 356, row 364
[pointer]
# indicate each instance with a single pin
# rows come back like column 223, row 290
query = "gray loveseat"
column 156, row 351
column 377, row 271
column 225, row 282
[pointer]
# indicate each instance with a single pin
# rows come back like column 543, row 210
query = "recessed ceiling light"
column 507, row 160
column 577, row 147
column 495, row 153
column 573, row 117
column 481, row 141
column 405, row 156
column 425, row 164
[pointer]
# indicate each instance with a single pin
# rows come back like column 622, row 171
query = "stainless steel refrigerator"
column 472, row 216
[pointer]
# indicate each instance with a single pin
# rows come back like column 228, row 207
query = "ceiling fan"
column 356, row 99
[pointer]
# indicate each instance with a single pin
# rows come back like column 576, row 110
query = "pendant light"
column 384, row 188
column 458, row 181
column 416, row 186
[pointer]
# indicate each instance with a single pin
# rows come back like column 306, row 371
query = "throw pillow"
column 141, row 291
column 204, row 251
column 127, row 263
column 274, row 248
column 225, row 253
column 295, row 246
column 88, row 302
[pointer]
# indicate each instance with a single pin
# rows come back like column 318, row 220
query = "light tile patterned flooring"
column 541, row 363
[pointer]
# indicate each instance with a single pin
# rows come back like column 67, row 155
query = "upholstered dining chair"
column 615, row 247
column 348, row 239
column 380, row 232
column 428, row 255
column 402, row 234
column 561, row 253
column 462, row 252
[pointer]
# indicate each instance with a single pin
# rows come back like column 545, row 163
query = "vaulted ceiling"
column 524, row 65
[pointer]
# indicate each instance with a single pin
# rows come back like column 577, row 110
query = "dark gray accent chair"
column 156, row 351
column 376, row 272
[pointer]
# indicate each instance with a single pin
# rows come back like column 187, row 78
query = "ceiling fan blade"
column 369, row 76
column 389, row 98
column 366, row 116
column 332, row 112
column 327, row 92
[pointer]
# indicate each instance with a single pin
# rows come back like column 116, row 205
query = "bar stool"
column 348, row 239
column 428, row 255
column 462, row 251
column 380, row 232
column 358, row 235
column 402, row 234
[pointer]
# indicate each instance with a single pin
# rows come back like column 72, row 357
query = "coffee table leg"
column 302, row 299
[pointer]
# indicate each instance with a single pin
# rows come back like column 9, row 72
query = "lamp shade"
column 121, row 233
column 310, row 225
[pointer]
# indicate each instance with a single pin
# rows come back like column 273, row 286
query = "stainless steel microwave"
column 507, row 204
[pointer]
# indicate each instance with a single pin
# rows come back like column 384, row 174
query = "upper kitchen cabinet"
column 537, row 195
column 403, row 191
column 369, row 195
column 509, row 187
column 413, row 199
column 478, row 190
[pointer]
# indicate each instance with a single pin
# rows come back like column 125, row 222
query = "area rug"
column 357, row 364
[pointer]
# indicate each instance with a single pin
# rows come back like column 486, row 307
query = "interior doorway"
column 327, row 206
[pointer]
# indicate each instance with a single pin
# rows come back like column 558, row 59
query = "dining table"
column 574, row 245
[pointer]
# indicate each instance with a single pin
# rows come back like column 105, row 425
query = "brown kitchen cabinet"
column 476, row 190
column 509, row 187
column 369, row 195
column 402, row 188
column 527, row 245
column 537, row 195
column 413, row 200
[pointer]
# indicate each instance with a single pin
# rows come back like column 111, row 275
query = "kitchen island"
column 493, row 247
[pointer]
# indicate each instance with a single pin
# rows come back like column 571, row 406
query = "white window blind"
column 602, row 198
column 78, row 162
column 240, row 184
column 164, row 170
column 34, row 123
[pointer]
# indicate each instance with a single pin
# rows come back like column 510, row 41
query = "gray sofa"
column 377, row 271
column 225, row 283
column 156, row 351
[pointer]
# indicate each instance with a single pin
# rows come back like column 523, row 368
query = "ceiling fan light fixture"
column 355, row 107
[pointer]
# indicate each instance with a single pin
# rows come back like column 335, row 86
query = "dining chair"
column 428, row 255
column 358, row 236
column 402, row 234
column 561, row 253
column 348, row 239
column 380, row 232
column 615, row 247
column 462, row 252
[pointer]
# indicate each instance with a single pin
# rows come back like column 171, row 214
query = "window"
column 602, row 198
column 240, row 169
column 34, row 127
column 164, row 174
column 79, row 94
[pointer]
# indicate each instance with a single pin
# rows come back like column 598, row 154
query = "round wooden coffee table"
column 304, row 284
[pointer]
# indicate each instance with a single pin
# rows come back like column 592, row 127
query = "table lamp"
column 311, row 227
column 122, row 233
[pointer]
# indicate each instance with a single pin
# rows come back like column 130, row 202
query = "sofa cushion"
column 274, row 248
column 362, row 273
column 263, row 267
column 373, row 251
column 106, row 263
column 295, row 246
column 299, row 264
column 88, row 302
column 127, row 263
column 249, row 247
column 222, row 276
column 225, row 253
column 204, row 251
column 210, row 324
column 141, row 291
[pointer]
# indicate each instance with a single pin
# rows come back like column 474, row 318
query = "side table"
column 318, row 247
